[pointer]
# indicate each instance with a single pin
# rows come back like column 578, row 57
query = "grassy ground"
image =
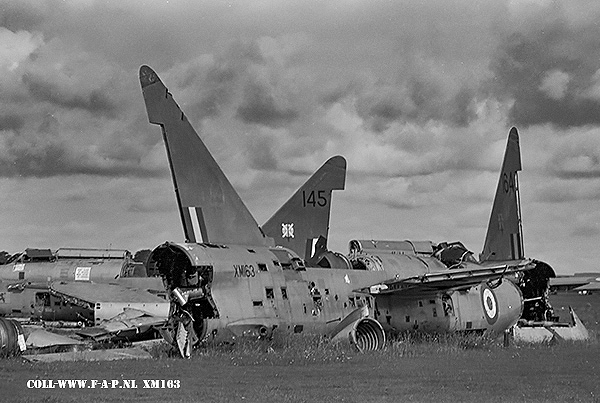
column 305, row 369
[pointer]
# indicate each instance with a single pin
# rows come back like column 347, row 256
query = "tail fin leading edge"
column 210, row 208
column 304, row 218
column 504, row 239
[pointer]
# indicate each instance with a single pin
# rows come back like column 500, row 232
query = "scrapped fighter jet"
column 82, row 288
column 503, row 248
column 90, row 286
column 231, row 280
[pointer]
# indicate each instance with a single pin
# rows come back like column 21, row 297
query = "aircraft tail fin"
column 304, row 218
column 504, row 239
column 210, row 208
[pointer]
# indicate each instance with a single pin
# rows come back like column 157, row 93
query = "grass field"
column 304, row 369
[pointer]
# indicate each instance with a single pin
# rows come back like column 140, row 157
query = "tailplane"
column 504, row 239
column 304, row 218
column 210, row 208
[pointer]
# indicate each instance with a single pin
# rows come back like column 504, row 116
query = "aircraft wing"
column 41, row 338
column 119, row 312
column 447, row 280
column 130, row 324
column 109, row 300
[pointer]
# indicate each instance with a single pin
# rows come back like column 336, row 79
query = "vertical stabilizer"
column 210, row 208
column 304, row 218
column 504, row 239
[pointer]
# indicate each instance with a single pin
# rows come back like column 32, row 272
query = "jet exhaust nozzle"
column 12, row 340
column 365, row 333
column 368, row 335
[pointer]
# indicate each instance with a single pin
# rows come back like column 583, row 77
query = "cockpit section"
column 187, row 275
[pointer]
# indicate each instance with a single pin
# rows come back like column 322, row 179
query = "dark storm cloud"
column 260, row 154
column 241, row 79
column 260, row 107
column 382, row 107
column 21, row 15
column 68, row 112
column 259, row 103
column 53, row 161
column 575, row 155
column 217, row 92
column 431, row 103
column 94, row 101
column 418, row 100
column 41, row 146
column 11, row 122
column 462, row 110
column 43, row 155
column 582, row 166
column 548, row 71
column 567, row 191
column 212, row 82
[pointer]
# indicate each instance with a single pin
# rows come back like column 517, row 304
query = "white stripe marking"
column 313, row 247
column 195, row 224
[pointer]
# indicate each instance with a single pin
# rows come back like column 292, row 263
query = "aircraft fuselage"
column 253, row 290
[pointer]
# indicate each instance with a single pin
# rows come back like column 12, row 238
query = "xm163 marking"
column 243, row 270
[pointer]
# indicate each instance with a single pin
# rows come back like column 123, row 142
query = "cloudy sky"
column 418, row 96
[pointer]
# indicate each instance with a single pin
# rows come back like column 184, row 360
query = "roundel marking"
column 490, row 304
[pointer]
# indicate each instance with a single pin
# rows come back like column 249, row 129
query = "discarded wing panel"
column 119, row 312
column 131, row 324
column 40, row 338
column 536, row 332
column 109, row 300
